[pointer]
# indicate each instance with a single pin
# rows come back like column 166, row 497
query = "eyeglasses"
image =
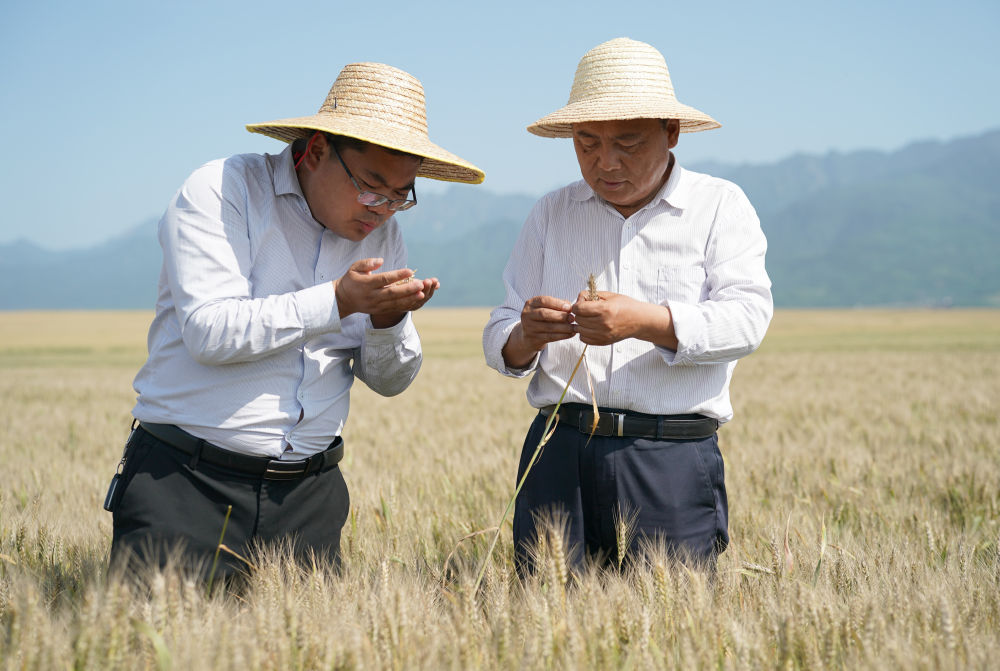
column 372, row 199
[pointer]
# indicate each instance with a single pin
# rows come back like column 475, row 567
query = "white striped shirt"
column 247, row 335
column 696, row 248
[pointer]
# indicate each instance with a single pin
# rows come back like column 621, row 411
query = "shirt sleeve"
column 522, row 278
column 731, row 322
column 207, row 256
column 389, row 359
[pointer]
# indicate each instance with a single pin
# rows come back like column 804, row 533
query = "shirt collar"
column 675, row 192
column 286, row 181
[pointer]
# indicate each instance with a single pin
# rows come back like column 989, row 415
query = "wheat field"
column 863, row 469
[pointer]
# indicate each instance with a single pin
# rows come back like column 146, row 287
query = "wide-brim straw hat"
column 383, row 105
column 618, row 80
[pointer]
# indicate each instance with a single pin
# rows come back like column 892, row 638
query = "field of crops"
column 863, row 469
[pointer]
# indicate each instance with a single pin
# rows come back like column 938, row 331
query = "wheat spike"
column 592, row 295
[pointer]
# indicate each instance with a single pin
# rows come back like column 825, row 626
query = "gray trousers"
column 167, row 507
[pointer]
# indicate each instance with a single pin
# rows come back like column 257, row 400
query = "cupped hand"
column 385, row 296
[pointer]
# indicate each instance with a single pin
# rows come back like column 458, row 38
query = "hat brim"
column 560, row 123
column 437, row 163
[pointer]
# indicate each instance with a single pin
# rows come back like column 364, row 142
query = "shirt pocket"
column 684, row 284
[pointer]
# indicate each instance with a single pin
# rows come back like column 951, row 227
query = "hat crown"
column 380, row 94
column 622, row 68
column 383, row 105
column 618, row 80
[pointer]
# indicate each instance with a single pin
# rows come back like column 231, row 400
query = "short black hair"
column 342, row 142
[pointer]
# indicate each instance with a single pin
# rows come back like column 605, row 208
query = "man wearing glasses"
column 284, row 278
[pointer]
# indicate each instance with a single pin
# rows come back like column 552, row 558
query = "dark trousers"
column 168, row 508
column 673, row 490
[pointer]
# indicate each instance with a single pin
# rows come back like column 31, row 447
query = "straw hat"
column 385, row 106
column 617, row 80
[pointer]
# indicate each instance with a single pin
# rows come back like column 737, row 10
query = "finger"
column 587, row 308
column 399, row 276
column 429, row 284
column 591, row 322
column 591, row 336
column 553, row 337
column 366, row 265
column 398, row 297
column 559, row 335
column 548, row 302
column 548, row 315
column 550, row 332
column 588, row 340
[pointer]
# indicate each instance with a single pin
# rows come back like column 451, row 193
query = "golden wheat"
column 865, row 442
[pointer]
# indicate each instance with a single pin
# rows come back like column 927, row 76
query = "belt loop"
column 659, row 427
column 196, row 455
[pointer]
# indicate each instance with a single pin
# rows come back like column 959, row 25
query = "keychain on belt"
column 113, row 487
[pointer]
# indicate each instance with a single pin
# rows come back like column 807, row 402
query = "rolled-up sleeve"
column 730, row 323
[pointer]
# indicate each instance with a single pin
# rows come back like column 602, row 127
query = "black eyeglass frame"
column 376, row 199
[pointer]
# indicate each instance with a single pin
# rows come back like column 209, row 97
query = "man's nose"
column 608, row 158
column 381, row 210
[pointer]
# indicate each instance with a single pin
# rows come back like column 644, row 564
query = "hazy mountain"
column 919, row 226
column 119, row 273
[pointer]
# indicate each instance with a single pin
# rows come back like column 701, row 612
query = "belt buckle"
column 617, row 428
column 285, row 470
column 620, row 423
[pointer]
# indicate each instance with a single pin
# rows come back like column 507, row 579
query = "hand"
column 615, row 317
column 430, row 286
column 544, row 319
column 384, row 296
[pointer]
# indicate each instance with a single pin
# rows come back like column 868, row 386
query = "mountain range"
column 915, row 227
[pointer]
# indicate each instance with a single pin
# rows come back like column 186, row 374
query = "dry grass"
column 864, row 479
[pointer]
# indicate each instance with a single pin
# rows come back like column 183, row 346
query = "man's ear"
column 316, row 151
column 673, row 132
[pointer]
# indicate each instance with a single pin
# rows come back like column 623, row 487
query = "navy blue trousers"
column 673, row 489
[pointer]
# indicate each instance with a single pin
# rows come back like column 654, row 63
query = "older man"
column 284, row 279
column 678, row 261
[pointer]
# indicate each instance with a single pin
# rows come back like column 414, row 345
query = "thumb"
column 366, row 265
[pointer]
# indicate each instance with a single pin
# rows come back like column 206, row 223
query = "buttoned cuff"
column 387, row 336
column 519, row 372
column 494, row 354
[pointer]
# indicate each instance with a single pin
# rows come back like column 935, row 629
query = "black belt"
column 636, row 425
column 265, row 467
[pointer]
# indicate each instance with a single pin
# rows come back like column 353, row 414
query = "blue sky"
column 108, row 106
